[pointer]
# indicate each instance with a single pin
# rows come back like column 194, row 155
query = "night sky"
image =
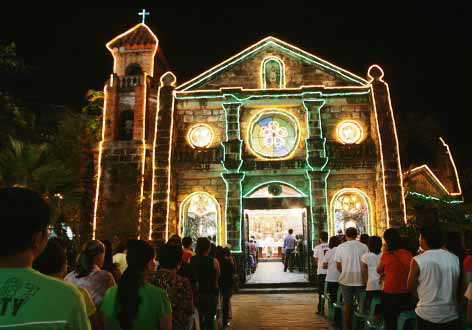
column 422, row 49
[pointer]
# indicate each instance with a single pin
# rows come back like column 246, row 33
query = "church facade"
column 270, row 139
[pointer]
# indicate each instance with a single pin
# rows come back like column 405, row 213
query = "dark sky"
column 422, row 49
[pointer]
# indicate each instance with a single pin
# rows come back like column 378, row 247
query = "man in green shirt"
column 29, row 299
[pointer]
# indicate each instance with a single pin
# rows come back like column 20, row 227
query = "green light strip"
column 266, row 44
column 240, row 211
column 275, row 181
column 433, row 198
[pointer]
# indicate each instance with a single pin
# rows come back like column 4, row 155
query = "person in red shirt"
column 188, row 252
column 394, row 267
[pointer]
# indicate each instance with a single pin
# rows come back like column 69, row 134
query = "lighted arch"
column 288, row 190
column 283, row 145
column 267, row 65
column 365, row 210
column 206, row 210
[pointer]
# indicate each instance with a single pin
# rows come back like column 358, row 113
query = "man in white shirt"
column 318, row 254
column 435, row 275
column 348, row 261
column 289, row 245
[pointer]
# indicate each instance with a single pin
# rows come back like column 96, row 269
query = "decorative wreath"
column 275, row 189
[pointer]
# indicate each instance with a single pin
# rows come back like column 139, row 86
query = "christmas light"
column 349, row 132
column 427, row 197
column 453, row 165
column 276, row 43
column 143, row 161
column 99, row 165
column 200, row 136
column 248, row 194
column 281, row 66
column 435, row 178
column 108, row 45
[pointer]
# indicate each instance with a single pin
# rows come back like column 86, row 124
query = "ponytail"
column 138, row 256
column 86, row 260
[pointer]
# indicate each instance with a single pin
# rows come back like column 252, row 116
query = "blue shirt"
column 289, row 242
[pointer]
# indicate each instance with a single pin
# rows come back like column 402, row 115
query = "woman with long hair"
column 394, row 267
column 135, row 303
column 109, row 265
column 88, row 273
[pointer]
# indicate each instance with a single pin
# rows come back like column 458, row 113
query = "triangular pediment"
column 422, row 180
column 300, row 68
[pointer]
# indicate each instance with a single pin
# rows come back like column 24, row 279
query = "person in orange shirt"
column 394, row 267
column 188, row 252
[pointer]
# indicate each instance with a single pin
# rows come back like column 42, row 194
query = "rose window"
column 349, row 132
column 200, row 136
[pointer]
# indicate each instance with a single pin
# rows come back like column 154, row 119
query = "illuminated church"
column 270, row 139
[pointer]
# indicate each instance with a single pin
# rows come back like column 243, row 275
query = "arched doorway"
column 350, row 207
column 200, row 216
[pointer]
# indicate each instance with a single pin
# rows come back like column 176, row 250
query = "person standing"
column 394, row 267
column 369, row 264
column 318, row 254
column 348, row 262
column 332, row 275
column 435, row 275
column 29, row 297
column 289, row 245
column 188, row 251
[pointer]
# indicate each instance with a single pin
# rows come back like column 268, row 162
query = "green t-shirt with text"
column 153, row 307
column 31, row 300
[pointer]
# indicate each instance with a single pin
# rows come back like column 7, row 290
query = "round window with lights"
column 349, row 132
column 200, row 136
column 273, row 134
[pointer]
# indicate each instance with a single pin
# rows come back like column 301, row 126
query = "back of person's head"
column 375, row 244
column 364, row 238
column 203, row 245
column 455, row 244
column 187, row 242
column 433, row 237
column 333, row 242
column 139, row 255
column 351, row 232
column 227, row 252
column 108, row 251
column 52, row 261
column 290, row 231
column 175, row 240
column 121, row 248
column 88, row 256
column 170, row 256
column 393, row 239
column 24, row 215
column 324, row 236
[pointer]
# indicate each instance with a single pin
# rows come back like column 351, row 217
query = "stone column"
column 232, row 176
column 392, row 173
column 316, row 172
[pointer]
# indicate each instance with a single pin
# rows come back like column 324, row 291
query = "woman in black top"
column 206, row 272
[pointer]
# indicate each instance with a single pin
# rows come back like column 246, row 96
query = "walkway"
column 273, row 272
column 276, row 312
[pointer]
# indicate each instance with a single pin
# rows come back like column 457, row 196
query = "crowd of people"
column 110, row 285
column 434, row 281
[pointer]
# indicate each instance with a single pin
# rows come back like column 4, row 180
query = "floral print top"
column 96, row 283
column 181, row 297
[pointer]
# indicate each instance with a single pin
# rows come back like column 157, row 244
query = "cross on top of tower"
column 143, row 13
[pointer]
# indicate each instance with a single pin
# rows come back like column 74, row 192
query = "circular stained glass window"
column 349, row 132
column 200, row 136
column 273, row 134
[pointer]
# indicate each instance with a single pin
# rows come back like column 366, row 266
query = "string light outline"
column 268, row 41
column 151, row 73
column 435, row 178
column 414, row 193
column 169, row 159
column 247, row 195
column 281, row 64
column 143, row 162
column 99, row 165
column 367, row 201
column 240, row 208
column 453, row 165
column 188, row 199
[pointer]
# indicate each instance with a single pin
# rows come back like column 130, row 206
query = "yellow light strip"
column 453, row 165
column 366, row 200
column 435, row 178
column 277, row 42
column 402, row 201
column 169, row 161
column 99, row 165
column 143, row 163
column 262, row 71
column 219, row 216
column 128, row 32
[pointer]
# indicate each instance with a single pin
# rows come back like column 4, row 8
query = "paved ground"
column 276, row 312
column 273, row 272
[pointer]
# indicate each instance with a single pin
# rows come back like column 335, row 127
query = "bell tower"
column 123, row 157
